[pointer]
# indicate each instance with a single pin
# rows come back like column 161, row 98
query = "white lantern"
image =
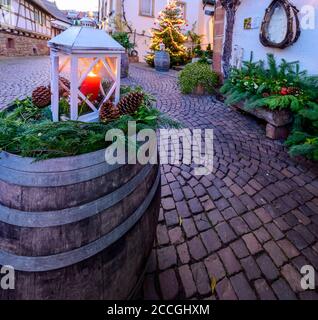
column 90, row 59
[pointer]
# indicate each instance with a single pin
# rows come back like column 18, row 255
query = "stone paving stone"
column 274, row 231
column 283, row 291
column 301, row 217
column 167, row 257
column 177, row 194
column 229, row 260
column 237, row 205
column 225, row 290
column 307, row 235
column 183, row 210
column 210, row 240
column 263, row 290
column 188, row 192
column 201, row 278
column 292, row 276
column 252, row 243
column 162, row 235
column 221, row 204
column 189, row 228
column 183, row 253
column 225, row 232
column 267, row 267
column 242, row 288
column 229, row 213
column 196, row 249
column 251, row 268
column 252, row 220
column 214, row 267
column 296, row 239
column 171, row 218
column 311, row 256
column 208, row 205
column 149, row 290
column 187, row 281
column 288, row 248
column 308, row 295
column 262, row 235
column 199, row 190
column 214, row 193
column 239, row 226
column 176, row 236
column 202, row 222
column 168, row 203
column 215, row 217
column 169, row 284
column 239, row 248
column 275, row 253
column 165, row 191
column 195, row 206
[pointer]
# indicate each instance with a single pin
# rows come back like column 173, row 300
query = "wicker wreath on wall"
column 280, row 27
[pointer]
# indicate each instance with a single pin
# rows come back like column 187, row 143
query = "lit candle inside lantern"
column 91, row 85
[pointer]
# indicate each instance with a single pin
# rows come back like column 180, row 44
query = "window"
column 36, row 15
column 10, row 43
column 182, row 7
column 147, row 8
column 5, row 3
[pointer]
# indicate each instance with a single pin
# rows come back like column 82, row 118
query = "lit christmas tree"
column 170, row 23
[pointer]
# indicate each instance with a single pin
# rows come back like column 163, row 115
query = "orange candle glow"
column 90, row 86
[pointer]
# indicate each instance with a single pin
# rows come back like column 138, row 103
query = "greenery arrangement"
column 28, row 131
column 123, row 39
column 196, row 74
column 170, row 33
column 279, row 86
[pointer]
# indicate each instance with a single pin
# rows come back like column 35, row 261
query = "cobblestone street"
column 19, row 76
column 251, row 225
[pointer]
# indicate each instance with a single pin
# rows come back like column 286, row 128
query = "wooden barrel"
column 124, row 65
column 76, row 228
column 162, row 61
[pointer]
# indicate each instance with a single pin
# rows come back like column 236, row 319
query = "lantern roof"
column 85, row 39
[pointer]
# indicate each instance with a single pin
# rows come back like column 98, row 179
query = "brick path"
column 251, row 225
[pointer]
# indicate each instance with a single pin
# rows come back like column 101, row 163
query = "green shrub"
column 195, row 74
column 29, row 131
column 279, row 86
column 123, row 39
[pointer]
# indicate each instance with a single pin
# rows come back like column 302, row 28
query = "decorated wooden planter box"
column 278, row 121
column 76, row 227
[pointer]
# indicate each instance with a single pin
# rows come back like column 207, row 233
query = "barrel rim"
column 17, row 162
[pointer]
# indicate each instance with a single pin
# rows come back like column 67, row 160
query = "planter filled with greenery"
column 282, row 95
column 198, row 78
column 75, row 217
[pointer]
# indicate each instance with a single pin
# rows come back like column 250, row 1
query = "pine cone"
column 130, row 103
column 108, row 112
column 41, row 96
column 66, row 83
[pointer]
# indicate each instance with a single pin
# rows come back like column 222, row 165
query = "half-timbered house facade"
column 27, row 25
